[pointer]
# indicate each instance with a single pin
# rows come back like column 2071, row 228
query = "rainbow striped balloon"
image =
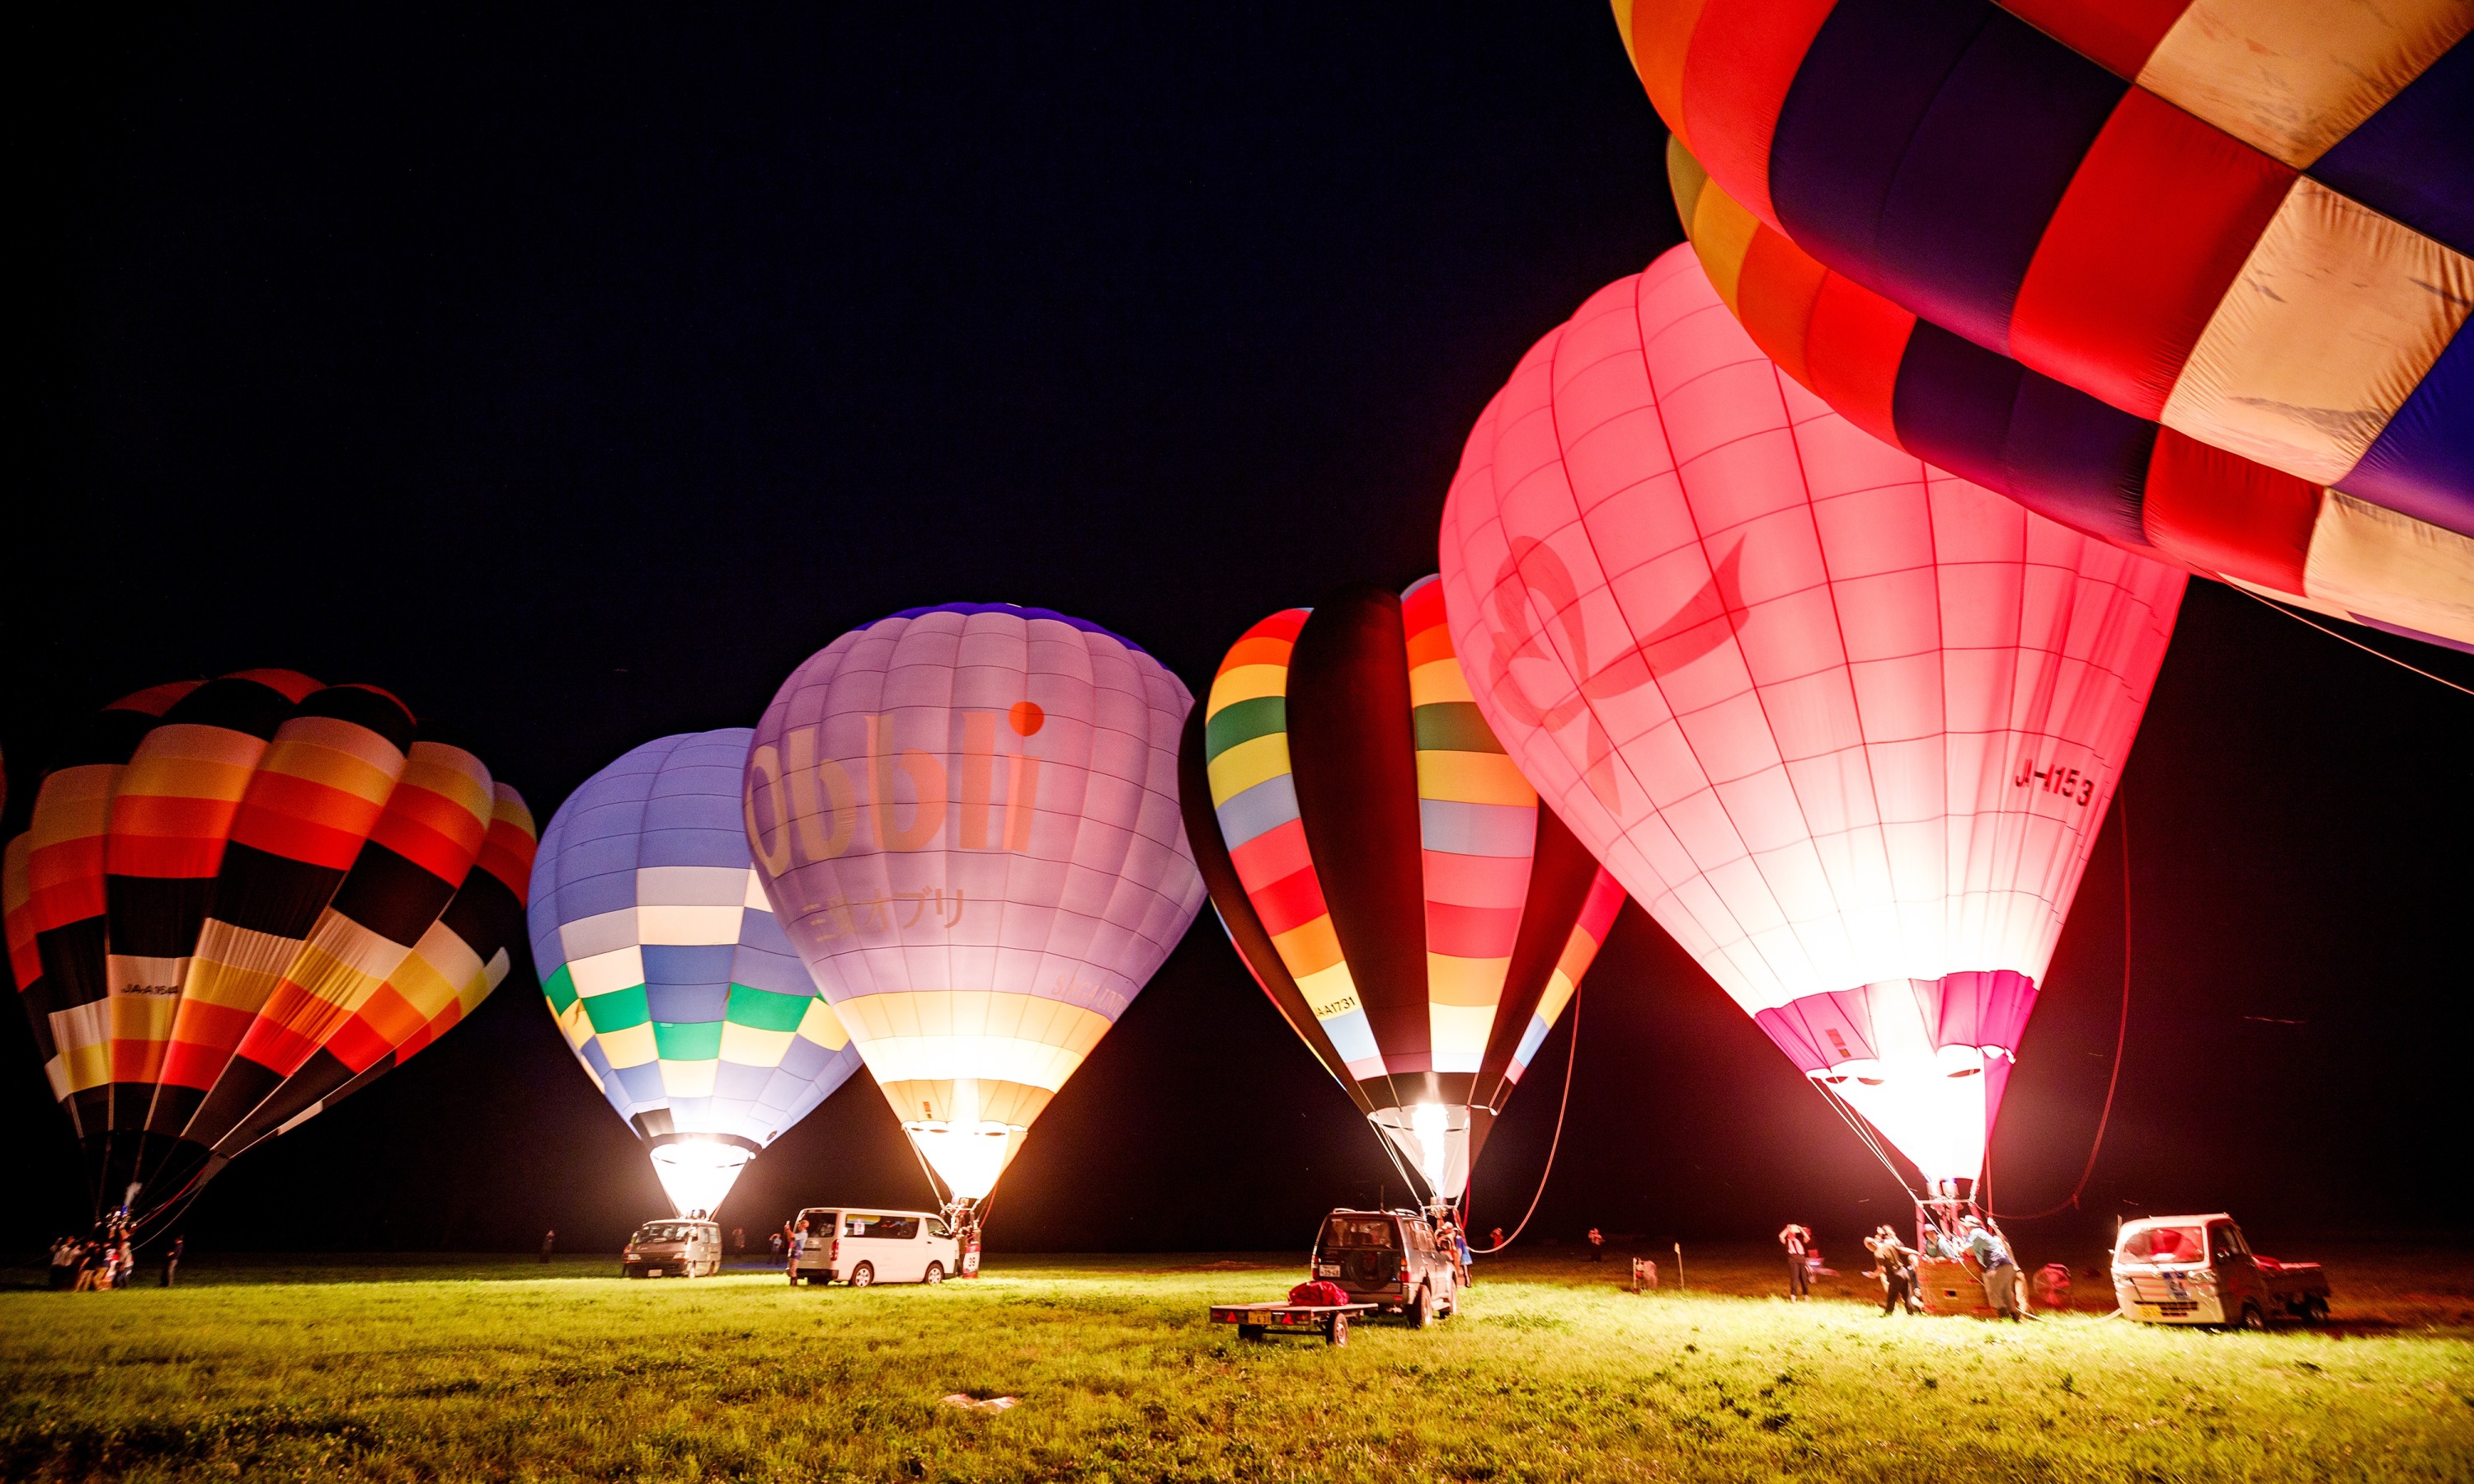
column 1385, row 870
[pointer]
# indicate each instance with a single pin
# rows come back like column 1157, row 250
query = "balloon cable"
column 1571, row 1055
column 2120, row 1035
column 2357, row 643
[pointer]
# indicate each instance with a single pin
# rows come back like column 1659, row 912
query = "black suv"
column 1388, row 1257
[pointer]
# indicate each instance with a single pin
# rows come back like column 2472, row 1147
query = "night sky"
column 575, row 377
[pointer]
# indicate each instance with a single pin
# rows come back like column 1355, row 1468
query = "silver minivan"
column 674, row 1249
column 859, row 1246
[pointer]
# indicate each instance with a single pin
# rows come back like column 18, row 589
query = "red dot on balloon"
column 1025, row 717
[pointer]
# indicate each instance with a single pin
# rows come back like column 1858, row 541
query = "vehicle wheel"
column 1339, row 1334
column 863, row 1275
column 2251, row 1318
column 2315, row 1310
column 1421, row 1312
column 935, row 1273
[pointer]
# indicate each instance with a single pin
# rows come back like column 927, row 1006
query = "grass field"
column 454, row 1369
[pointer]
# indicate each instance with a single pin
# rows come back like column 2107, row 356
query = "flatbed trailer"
column 1262, row 1320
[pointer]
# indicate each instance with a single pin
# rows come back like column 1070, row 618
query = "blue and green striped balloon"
column 667, row 970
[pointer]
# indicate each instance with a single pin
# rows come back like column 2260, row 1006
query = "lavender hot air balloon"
column 966, row 818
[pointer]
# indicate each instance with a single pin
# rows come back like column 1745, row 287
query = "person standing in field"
column 128, row 1256
column 172, row 1259
column 2000, row 1272
column 1898, row 1266
column 63, row 1261
column 799, row 1245
column 1797, row 1238
column 549, row 1240
column 1495, row 1239
column 775, row 1242
column 1597, row 1245
column 739, row 1240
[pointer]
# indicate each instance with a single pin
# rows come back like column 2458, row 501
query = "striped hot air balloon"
column 221, row 879
column 967, row 817
column 1385, row 870
column 2251, row 224
column 667, row 971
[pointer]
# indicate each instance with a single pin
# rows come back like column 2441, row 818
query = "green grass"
column 291, row 1369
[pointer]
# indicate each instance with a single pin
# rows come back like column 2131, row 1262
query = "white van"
column 864, row 1247
column 674, row 1249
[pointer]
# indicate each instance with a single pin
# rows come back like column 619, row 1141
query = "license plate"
column 1327, row 1270
column 652, row 1272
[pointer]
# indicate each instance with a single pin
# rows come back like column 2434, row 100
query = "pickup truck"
column 2197, row 1270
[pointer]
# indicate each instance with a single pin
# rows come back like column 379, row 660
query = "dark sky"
column 576, row 375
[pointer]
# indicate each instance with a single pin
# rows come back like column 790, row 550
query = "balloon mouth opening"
column 1434, row 1139
column 968, row 1156
column 697, row 1172
column 1932, row 1105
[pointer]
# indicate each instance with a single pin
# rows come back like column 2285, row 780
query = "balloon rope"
column 936, row 1194
column 2357, row 643
column 1572, row 1055
column 1864, row 1132
column 2120, row 1038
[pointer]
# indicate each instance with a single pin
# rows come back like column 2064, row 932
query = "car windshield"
column 2165, row 1244
column 666, row 1232
column 1360, row 1232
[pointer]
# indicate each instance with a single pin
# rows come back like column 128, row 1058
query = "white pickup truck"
column 2197, row 1270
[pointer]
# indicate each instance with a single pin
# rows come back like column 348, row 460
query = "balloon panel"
column 1843, row 724
column 967, row 819
column 2065, row 454
column 662, row 961
column 2192, row 242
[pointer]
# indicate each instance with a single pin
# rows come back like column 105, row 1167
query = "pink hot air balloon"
column 1845, row 724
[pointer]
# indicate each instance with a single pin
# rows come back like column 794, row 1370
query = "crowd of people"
column 1947, row 1233
column 107, row 1257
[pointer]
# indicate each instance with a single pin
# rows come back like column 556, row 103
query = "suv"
column 2199, row 1270
column 674, row 1248
column 864, row 1247
column 1390, row 1258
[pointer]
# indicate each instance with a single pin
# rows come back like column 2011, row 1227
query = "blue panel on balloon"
column 2415, row 158
column 2079, row 460
column 1864, row 87
column 2422, row 463
column 701, row 1003
column 643, row 1083
column 670, row 963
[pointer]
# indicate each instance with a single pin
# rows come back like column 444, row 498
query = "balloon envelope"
column 1385, row 870
column 240, row 899
column 667, row 971
column 1843, row 725
column 2060, row 451
column 967, row 817
column 2250, row 224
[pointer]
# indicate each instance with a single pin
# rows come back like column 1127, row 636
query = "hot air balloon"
column 967, row 817
column 229, row 904
column 2060, row 451
column 667, row 971
column 1385, row 870
column 1843, row 724
column 2251, row 225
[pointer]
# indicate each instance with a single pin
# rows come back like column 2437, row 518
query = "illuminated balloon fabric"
column 669, row 972
column 459, row 960
column 222, row 875
column 1385, row 870
column 967, row 818
column 1845, row 726
column 2248, row 222
column 2064, row 454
